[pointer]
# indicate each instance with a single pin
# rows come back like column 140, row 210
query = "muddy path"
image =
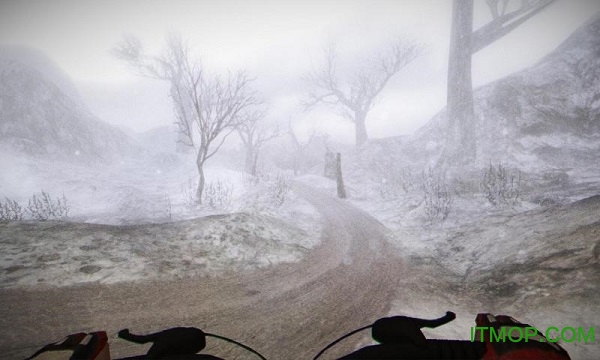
column 285, row 312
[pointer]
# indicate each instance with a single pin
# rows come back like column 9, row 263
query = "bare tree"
column 354, row 98
column 300, row 148
column 170, row 67
column 254, row 133
column 464, row 42
column 208, row 108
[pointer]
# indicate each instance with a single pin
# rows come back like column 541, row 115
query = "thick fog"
column 278, row 43
column 284, row 172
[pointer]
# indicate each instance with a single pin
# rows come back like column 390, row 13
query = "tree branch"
column 504, row 24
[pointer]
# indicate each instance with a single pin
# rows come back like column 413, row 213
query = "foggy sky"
column 278, row 42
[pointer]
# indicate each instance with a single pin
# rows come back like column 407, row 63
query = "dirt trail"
column 285, row 312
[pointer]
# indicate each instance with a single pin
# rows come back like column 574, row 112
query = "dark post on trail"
column 330, row 165
column 341, row 190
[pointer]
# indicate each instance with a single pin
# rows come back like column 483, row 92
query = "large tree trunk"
column 460, row 144
column 361, row 129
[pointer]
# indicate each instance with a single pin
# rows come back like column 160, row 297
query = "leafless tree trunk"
column 464, row 42
column 361, row 128
column 341, row 189
column 354, row 98
column 299, row 155
column 208, row 108
column 254, row 134
column 461, row 134
column 329, row 168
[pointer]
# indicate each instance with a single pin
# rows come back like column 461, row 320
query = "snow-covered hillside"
column 36, row 60
column 42, row 114
column 544, row 117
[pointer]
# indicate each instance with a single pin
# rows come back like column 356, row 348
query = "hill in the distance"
column 42, row 115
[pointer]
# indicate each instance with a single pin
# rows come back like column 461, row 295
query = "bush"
column 435, row 193
column 40, row 207
column 217, row 194
column 397, row 180
column 278, row 189
column 10, row 210
column 251, row 181
column 555, row 178
column 501, row 186
column 188, row 189
column 548, row 200
column 43, row 207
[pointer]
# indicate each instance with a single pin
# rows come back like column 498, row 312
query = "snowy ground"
column 58, row 254
column 134, row 220
column 529, row 260
column 138, row 220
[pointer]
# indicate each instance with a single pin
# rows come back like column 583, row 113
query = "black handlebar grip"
column 404, row 329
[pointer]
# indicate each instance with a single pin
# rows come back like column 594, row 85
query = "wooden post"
column 330, row 165
column 341, row 190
